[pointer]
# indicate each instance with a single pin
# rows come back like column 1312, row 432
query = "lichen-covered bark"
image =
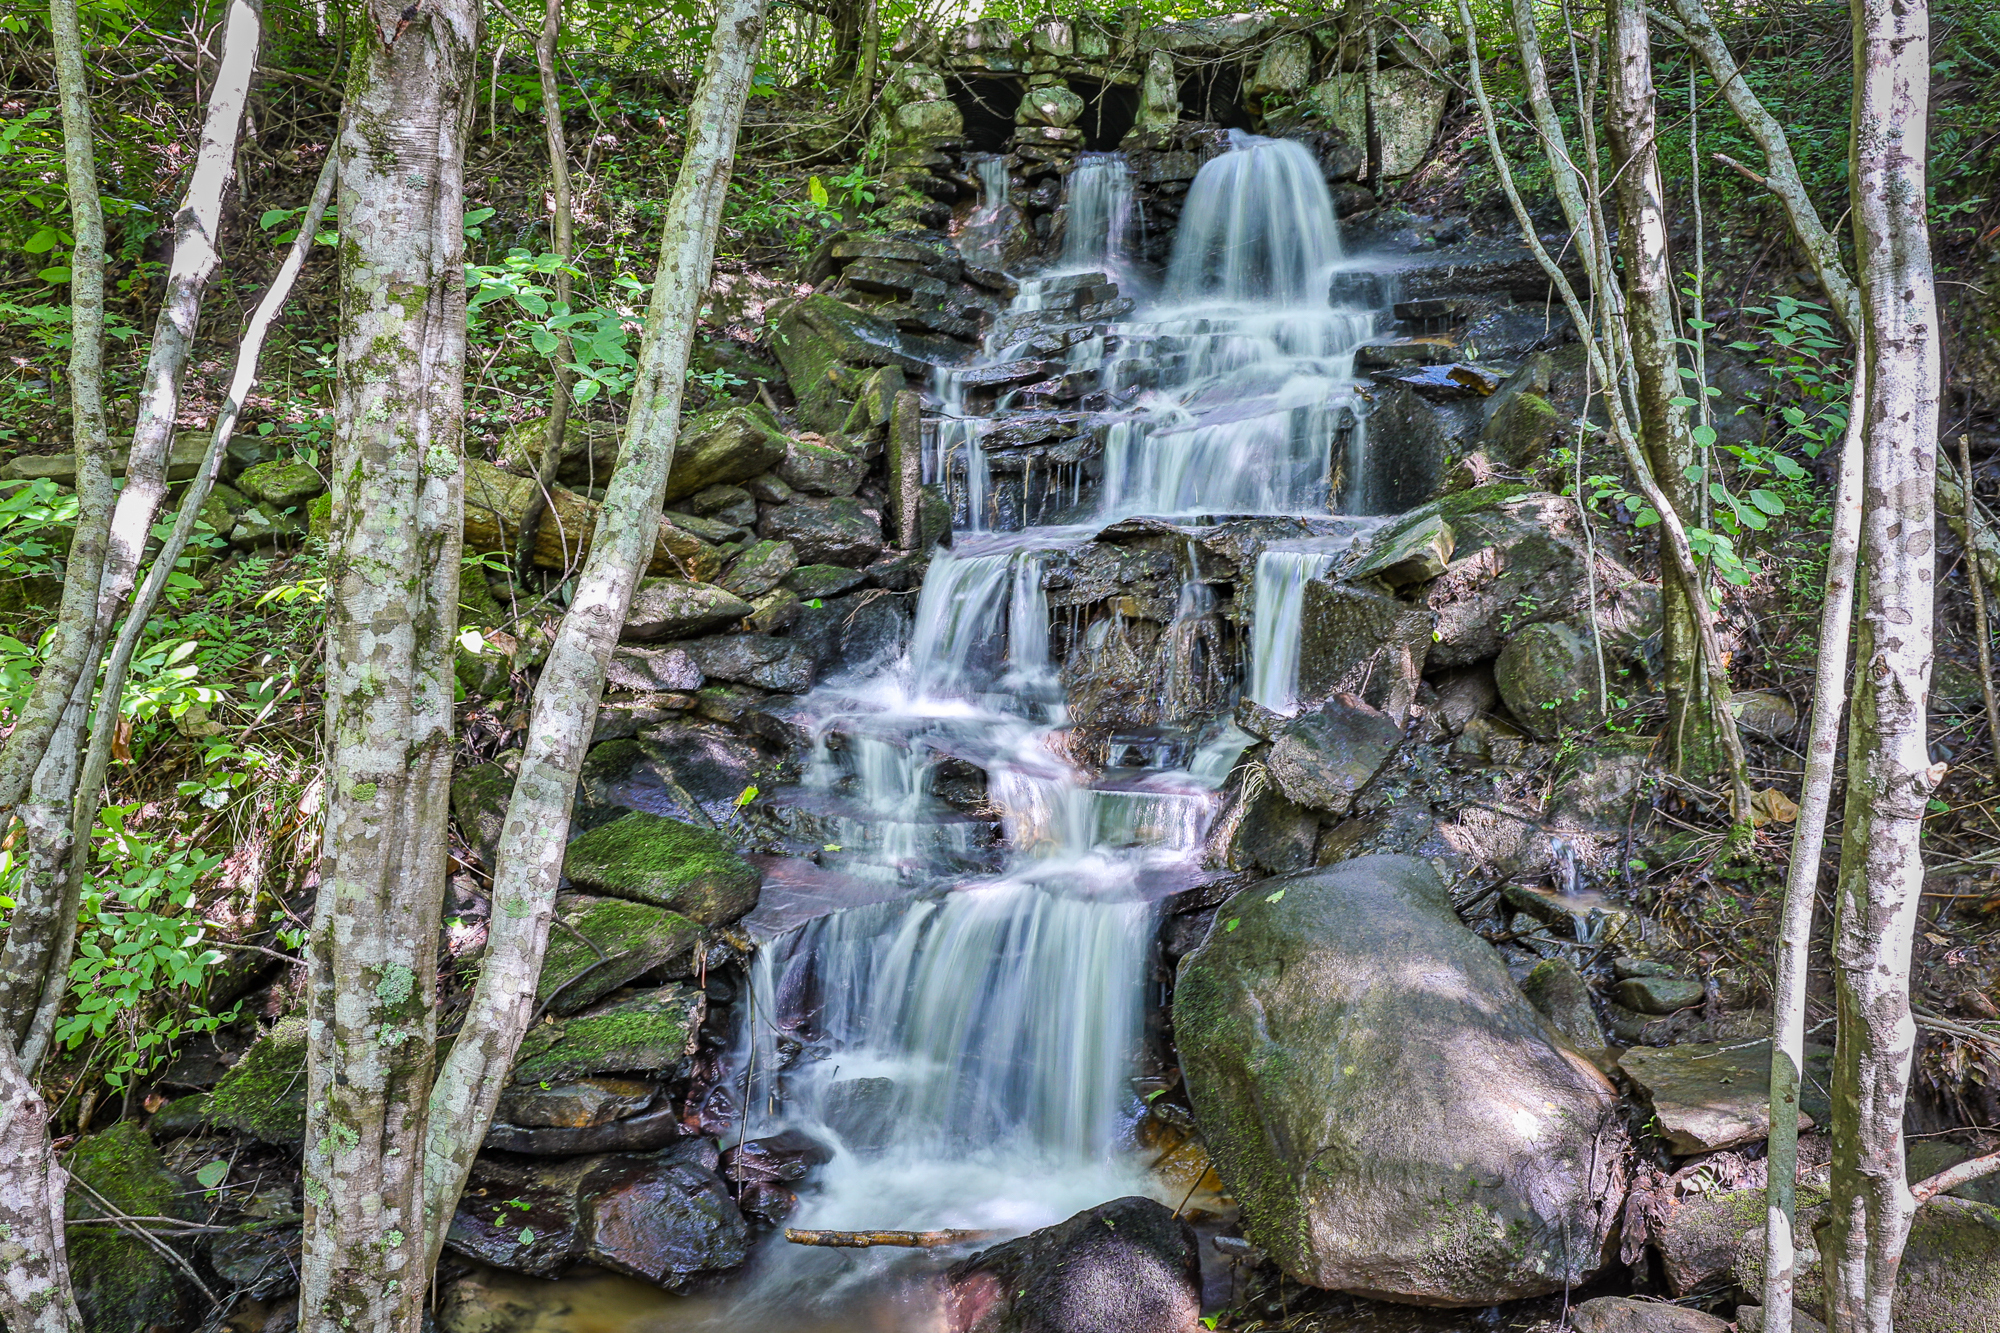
column 392, row 580
column 35, row 1294
column 530, row 854
column 1889, row 774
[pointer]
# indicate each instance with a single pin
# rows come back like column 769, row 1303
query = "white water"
column 1001, row 1002
column 1276, row 625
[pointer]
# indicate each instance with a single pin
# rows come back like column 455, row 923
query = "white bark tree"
column 529, row 858
column 392, row 582
column 1889, row 773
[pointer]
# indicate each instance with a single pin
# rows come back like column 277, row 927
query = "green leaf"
column 544, row 341
column 273, row 216
column 584, row 391
column 213, row 1174
column 477, row 216
column 1704, row 436
column 1231, row 924
column 527, row 1236
column 816, row 190
column 43, row 241
column 60, row 273
column 1768, row 502
column 1276, row 896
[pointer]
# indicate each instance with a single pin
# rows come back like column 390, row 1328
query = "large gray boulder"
column 1128, row 1266
column 1395, row 1118
column 734, row 444
column 1325, row 757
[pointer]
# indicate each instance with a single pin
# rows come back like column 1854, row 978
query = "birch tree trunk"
column 529, row 858
column 35, row 1292
column 1697, row 743
column 562, row 234
column 392, row 579
column 1889, row 774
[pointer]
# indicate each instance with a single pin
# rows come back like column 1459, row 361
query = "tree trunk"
column 1693, row 743
column 392, row 580
column 35, row 1293
column 562, row 235
column 1889, row 773
column 529, row 857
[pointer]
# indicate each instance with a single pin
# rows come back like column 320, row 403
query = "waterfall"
column 1099, row 199
column 1258, row 226
column 1277, row 625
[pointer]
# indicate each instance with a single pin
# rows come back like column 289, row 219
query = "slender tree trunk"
column 1562, row 168
column 392, row 579
column 1692, row 733
column 529, row 858
column 1889, row 773
column 35, row 1292
column 562, row 233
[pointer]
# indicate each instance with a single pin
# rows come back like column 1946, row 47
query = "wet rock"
column 644, row 1033
column 1404, row 554
column 688, row 769
column 122, row 1282
column 1323, row 758
column 664, row 862
column 1548, row 677
column 651, row 670
column 597, row 945
column 858, row 1110
column 1660, row 995
column 819, row 335
column 789, row 1156
column 821, row 469
column 1128, row 1266
column 851, row 632
column 731, row 504
column 1355, row 1056
column 1764, row 713
column 1700, row 1239
column 1463, row 694
column 833, row 531
column 479, row 797
column 1362, row 641
column 1521, row 425
column 761, row 567
column 1708, row 1096
column 1559, row 991
column 813, row 582
column 1265, row 831
column 263, row 1265
column 264, row 1094
column 666, row 1218
column 754, row 659
column 1597, row 785
column 715, row 448
column 262, row 525
column 655, row 1128
column 1053, row 104
column 1617, row 1314
column 281, row 484
column 677, row 609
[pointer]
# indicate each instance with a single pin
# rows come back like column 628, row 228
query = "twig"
column 1978, row 581
column 130, row 1224
column 1952, row 1177
column 1741, row 170
column 909, row 1240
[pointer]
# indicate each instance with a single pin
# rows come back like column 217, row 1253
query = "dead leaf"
column 121, row 741
column 1771, row 806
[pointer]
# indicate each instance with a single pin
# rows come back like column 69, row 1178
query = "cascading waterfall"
column 965, row 1048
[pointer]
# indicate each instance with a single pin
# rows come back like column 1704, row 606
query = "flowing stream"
column 966, row 1042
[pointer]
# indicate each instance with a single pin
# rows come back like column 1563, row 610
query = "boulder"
column 1394, row 1117
column 1411, row 443
column 1949, row 1279
column 1264, row 831
column 1409, row 106
column 644, row 1033
column 821, row 469
column 732, row 445
column 761, row 567
column 1407, row 553
column 580, row 1105
column 817, row 336
column 281, row 483
column 1360, row 640
column 1521, row 427
column 479, row 797
column 1597, row 785
column 264, row 1093
column 1562, row 996
column 730, row 504
column 1750, row 1319
column 1128, row 1266
column 1321, row 759
column 650, row 1129
column 1708, row 1096
column 688, row 769
column 831, row 531
column 1051, row 104
column 1660, row 994
column 1618, row 1314
column 664, row 862
column 590, row 449
column 774, row 613
column 497, row 503
column 1765, row 714
column 926, row 122
column 1159, row 96
column 1285, row 68
column 677, row 609
column 1924, row 1158
column 121, row 1282
column 755, row 659
column 1548, row 678
column 818, row 582
column 598, row 944
column 262, row 525
column 652, row 670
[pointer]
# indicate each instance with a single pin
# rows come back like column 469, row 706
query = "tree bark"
column 562, row 235
column 1696, row 742
column 392, row 580
column 35, row 1292
column 529, row 857
column 1889, row 773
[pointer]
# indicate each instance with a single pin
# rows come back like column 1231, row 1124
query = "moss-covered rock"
column 1548, row 678
column 124, row 1285
column 1949, row 1281
column 651, row 859
column 1395, row 1118
column 630, row 939
column 732, row 445
column 319, row 517
column 479, row 797
column 281, row 483
column 646, row 1033
column 264, row 1095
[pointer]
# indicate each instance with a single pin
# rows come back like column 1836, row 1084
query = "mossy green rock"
column 630, row 939
column 727, row 446
column 1548, row 679
column 319, row 517
column 1949, row 1280
column 281, row 483
column 645, row 1033
column 1394, row 1116
column 666, row 863
column 264, row 1095
column 479, row 797
column 263, row 525
column 123, row 1285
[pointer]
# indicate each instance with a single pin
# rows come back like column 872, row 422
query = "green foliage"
column 511, row 304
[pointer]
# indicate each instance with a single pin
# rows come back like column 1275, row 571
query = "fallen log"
column 909, row 1240
column 496, row 502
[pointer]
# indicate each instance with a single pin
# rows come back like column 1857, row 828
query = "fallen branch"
column 1952, row 1177
column 909, row 1240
